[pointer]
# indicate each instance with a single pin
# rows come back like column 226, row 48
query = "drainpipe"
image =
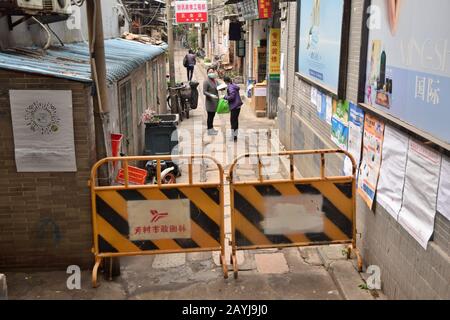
column 98, row 70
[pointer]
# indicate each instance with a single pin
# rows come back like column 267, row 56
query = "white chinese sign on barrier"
column 159, row 219
column 42, row 123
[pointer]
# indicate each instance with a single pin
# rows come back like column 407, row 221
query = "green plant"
column 345, row 252
column 207, row 60
column 363, row 286
column 193, row 39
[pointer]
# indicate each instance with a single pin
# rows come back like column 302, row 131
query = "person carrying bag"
column 234, row 103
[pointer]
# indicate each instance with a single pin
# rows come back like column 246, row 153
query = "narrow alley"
column 324, row 174
column 293, row 273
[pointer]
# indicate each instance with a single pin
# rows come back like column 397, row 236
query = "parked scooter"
column 169, row 172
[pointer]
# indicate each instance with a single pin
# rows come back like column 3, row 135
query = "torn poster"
column 392, row 172
column 371, row 160
column 443, row 204
column 43, row 130
column 420, row 193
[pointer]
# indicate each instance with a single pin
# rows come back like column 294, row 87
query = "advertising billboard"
column 408, row 63
column 322, row 51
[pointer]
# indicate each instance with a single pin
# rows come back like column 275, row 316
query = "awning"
column 72, row 60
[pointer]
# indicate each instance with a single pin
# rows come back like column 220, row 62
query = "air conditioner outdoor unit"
column 22, row 4
column 57, row 6
column 61, row 6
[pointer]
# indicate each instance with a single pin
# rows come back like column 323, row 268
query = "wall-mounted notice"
column 329, row 109
column 355, row 137
column 420, row 193
column 443, row 204
column 342, row 111
column 392, row 172
column 408, row 64
column 43, row 130
column 314, row 93
column 339, row 133
column 339, row 124
column 371, row 160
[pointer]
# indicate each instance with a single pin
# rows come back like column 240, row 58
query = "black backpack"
column 185, row 61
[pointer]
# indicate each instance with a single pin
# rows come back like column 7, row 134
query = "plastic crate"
column 136, row 176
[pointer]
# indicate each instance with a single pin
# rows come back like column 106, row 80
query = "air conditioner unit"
column 57, row 6
column 61, row 6
column 17, row 5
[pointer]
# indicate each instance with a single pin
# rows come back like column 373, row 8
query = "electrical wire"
column 54, row 33
column 49, row 36
column 156, row 12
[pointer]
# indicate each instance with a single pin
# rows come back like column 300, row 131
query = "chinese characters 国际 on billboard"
column 408, row 63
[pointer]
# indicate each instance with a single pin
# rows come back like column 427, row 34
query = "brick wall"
column 45, row 218
column 407, row 271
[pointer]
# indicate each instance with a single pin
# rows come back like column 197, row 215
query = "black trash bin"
column 160, row 138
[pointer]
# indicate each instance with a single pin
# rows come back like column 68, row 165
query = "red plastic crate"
column 135, row 176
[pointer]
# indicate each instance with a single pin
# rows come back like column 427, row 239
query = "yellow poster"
column 274, row 54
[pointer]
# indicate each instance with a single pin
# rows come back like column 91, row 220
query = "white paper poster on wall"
column 329, row 109
column 43, row 130
column 443, row 205
column 392, row 172
column 314, row 93
column 420, row 193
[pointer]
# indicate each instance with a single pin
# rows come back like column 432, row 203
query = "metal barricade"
column 131, row 220
column 292, row 212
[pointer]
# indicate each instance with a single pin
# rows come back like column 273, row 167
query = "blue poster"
column 339, row 133
column 323, row 107
column 319, row 52
column 355, row 137
column 408, row 64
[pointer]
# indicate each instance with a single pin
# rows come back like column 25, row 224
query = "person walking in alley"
column 234, row 101
column 189, row 62
column 211, row 99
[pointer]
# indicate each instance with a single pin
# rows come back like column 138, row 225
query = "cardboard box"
column 259, row 97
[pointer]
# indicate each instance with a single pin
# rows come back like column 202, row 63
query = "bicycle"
column 181, row 108
column 222, row 70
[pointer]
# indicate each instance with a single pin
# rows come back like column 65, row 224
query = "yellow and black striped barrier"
column 292, row 212
column 160, row 218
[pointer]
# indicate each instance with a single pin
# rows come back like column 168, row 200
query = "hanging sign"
column 42, row 122
column 265, row 9
column 191, row 11
column 274, row 54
